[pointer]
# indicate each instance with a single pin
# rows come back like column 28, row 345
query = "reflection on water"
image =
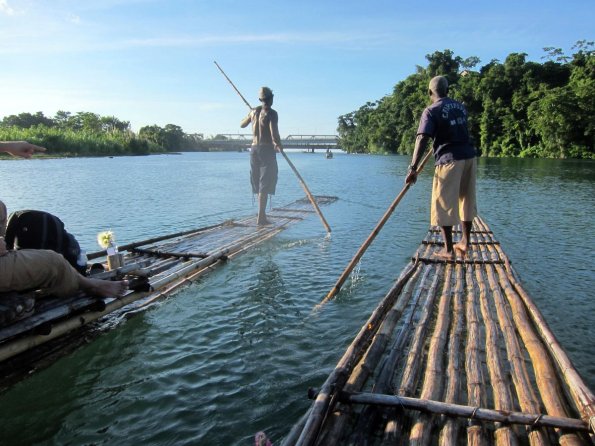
column 236, row 351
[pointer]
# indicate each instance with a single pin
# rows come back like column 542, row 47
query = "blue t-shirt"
column 446, row 122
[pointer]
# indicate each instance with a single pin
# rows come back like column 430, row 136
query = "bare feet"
column 263, row 222
column 104, row 288
column 443, row 254
column 461, row 249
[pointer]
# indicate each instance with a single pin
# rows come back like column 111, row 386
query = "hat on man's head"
column 439, row 85
column 265, row 93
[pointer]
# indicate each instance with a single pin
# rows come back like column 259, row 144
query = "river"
column 235, row 352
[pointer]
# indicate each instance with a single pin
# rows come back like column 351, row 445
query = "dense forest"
column 516, row 108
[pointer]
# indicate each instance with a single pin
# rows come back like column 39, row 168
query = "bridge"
column 242, row 141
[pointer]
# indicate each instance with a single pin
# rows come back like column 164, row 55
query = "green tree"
column 27, row 120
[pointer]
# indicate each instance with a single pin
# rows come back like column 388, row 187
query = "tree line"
column 517, row 108
column 89, row 134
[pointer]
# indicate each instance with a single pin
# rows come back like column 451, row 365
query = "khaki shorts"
column 453, row 193
column 32, row 269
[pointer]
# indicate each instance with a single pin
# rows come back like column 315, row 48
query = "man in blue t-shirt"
column 453, row 191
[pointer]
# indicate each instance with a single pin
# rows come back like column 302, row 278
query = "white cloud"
column 5, row 8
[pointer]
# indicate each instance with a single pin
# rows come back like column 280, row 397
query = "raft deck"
column 154, row 268
column 456, row 353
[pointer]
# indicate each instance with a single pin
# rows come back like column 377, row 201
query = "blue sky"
column 151, row 61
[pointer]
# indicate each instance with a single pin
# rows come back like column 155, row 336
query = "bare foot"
column 263, row 222
column 461, row 249
column 443, row 254
column 105, row 288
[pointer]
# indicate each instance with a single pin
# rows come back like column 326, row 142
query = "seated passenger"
column 32, row 269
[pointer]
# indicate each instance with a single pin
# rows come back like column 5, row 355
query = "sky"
column 151, row 62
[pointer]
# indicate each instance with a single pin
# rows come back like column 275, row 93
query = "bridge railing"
column 307, row 142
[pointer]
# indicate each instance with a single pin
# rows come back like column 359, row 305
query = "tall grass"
column 66, row 142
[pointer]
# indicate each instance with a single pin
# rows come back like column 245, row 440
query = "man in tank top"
column 265, row 143
column 453, row 190
column 32, row 269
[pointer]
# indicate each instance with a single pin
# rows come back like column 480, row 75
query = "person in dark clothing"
column 43, row 269
column 453, row 191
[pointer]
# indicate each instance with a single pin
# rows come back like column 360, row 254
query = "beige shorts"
column 453, row 193
column 31, row 269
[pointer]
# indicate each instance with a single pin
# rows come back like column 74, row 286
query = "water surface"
column 236, row 351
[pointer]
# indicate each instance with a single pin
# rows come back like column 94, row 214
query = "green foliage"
column 89, row 134
column 516, row 108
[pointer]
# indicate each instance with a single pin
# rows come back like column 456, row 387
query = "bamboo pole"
column 369, row 416
column 500, row 386
column 308, row 193
column 545, row 374
column 474, row 413
column 581, row 394
column 433, row 384
column 337, row 421
column 336, row 380
column 129, row 246
column 393, row 429
column 527, row 398
column 450, row 432
column 475, row 379
column 360, row 252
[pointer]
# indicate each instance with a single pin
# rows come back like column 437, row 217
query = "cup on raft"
column 115, row 261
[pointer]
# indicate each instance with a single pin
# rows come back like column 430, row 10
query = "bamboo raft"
column 456, row 353
column 153, row 267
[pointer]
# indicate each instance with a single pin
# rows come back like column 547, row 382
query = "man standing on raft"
column 263, row 160
column 453, row 191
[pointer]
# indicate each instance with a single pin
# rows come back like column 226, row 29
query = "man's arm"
column 20, row 148
column 248, row 119
column 275, row 133
column 421, row 144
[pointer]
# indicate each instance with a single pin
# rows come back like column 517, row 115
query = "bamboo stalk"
column 500, row 387
column 175, row 280
column 96, row 255
column 308, row 193
column 475, row 379
column 339, row 418
column 545, row 374
column 433, row 380
column 580, row 393
column 385, row 377
column 474, row 413
column 336, row 380
column 410, row 377
column 414, row 357
column 360, row 252
column 527, row 398
column 450, row 432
